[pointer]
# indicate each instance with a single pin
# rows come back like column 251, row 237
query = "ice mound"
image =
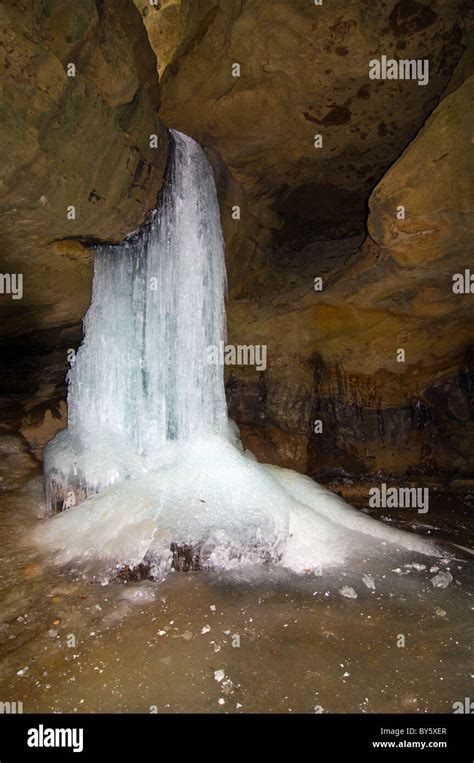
column 230, row 509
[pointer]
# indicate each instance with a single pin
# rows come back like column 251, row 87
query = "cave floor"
column 254, row 641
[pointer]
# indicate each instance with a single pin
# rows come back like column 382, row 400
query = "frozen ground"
column 260, row 640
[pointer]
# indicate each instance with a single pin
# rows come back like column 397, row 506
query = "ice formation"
column 149, row 445
column 140, row 378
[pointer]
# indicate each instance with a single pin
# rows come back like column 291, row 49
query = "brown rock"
column 378, row 415
column 304, row 71
column 80, row 141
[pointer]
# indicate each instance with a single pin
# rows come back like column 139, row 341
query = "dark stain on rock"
column 36, row 415
column 246, row 398
column 94, row 196
column 342, row 51
column 339, row 115
column 408, row 17
column 382, row 129
column 141, row 177
column 363, row 92
column 308, row 116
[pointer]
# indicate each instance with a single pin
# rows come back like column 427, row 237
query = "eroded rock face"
column 72, row 141
column 165, row 22
column 339, row 350
column 304, row 70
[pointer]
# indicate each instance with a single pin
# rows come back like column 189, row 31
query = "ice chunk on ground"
column 442, row 580
column 369, row 581
column 348, row 592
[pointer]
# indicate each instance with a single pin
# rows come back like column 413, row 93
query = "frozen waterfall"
column 140, row 377
column 149, row 453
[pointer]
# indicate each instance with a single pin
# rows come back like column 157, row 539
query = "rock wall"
column 303, row 71
column 77, row 141
column 334, row 356
column 81, row 141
